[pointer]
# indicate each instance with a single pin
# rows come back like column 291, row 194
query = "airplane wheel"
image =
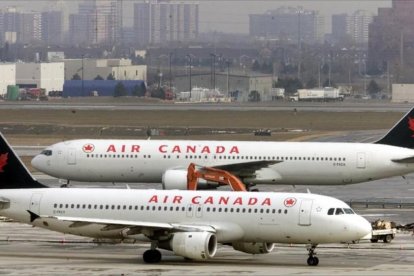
column 313, row 261
column 387, row 239
column 152, row 256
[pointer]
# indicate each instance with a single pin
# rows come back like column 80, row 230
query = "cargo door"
column 305, row 212
column 71, row 156
column 361, row 162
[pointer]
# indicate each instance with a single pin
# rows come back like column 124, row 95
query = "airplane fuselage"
column 233, row 216
column 296, row 163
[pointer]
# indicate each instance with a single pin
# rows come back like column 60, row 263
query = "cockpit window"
column 339, row 211
column 46, row 152
column 349, row 211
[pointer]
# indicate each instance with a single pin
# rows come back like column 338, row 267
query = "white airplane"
column 293, row 163
column 189, row 223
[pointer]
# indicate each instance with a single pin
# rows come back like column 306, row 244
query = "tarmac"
column 27, row 250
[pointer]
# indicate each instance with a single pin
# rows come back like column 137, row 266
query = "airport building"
column 402, row 93
column 90, row 69
column 48, row 76
column 8, row 76
column 237, row 87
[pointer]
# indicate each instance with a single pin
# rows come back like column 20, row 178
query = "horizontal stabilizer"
column 408, row 160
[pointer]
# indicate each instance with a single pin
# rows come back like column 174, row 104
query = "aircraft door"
column 361, row 160
column 35, row 203
column 305, row 212
column 71, row 156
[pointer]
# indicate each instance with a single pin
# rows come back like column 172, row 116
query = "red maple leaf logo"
column 289, row 202
column 411, row 125
column 88, row 148
column 3, row 160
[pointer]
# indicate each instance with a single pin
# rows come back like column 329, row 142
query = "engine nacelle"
column 194, row 245
column 254, row 247
column 177, row 180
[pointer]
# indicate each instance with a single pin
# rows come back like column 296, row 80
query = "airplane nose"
column 38, row 162
column 364, row 227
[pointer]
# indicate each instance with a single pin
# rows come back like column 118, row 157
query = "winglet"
column 402, row 134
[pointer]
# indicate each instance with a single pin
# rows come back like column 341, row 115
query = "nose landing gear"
column 312, row 260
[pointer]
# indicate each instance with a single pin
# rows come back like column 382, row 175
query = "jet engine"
column 193, row 245
column 177, row 180
column 254, row 247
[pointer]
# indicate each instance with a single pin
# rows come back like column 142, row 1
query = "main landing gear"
column 152, row 255
column 312, row 260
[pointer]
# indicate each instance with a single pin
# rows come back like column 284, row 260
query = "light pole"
column 228, row 77
column 82, row 75
column 189, row 56
column 170, row 57
column 213, row 70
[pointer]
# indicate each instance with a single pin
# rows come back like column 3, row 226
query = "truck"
column 383, row 230
column 317, row 95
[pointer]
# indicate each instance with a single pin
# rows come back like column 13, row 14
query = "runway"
column 133, row 104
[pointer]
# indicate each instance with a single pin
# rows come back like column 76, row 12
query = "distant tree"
column 373, row 88
column 158, row 92
column 98, row 77
column 254, row 96
column 290, row 85
column 139, row 90
column 328, row 83
column 256, row 66
column 110, row 77
column 311, row 83
column 76, row 77
column 267, row 68
column 120, row 90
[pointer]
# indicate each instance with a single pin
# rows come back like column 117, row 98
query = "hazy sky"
column 222, row 15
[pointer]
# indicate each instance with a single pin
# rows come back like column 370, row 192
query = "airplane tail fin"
column 402, row 134
column 13, row 173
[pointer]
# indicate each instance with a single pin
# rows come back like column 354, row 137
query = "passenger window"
column 331, row 211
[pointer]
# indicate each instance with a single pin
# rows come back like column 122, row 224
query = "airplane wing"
column 111, row 224
column 246, row 169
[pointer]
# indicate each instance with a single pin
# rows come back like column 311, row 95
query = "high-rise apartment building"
column 97, row 22
column 391, row 36
column 52, row 27
column 288, row 24
column 30, row 28
column 9, row 19
column 164, row 21
column 353, row 28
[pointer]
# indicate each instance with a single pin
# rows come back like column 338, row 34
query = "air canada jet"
column 189, row 223
column 293, row 163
